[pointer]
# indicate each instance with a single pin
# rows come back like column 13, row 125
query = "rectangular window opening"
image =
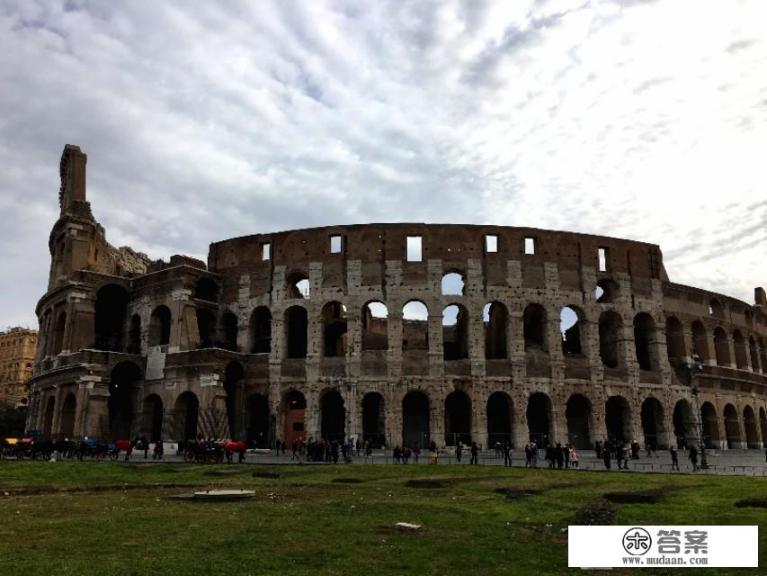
column 602, row 257
column 336, row 244
column 491, row 243
column 414, row 252
column 266, row 251
column 529, row 245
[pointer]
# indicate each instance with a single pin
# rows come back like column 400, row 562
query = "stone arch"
column 334, row 330
column 750, row 428
column 415, row 326
column 375, row 326
column 206, row 327
column 618, row 419
column 68, row 414
column 710, row 422
column 684, row 423
column 732, row 426
column 297, row 285
column 453, row 284
column 261, row 330
column 134, row 335
column 259, row 422
column 606, row 291
column 610, row 326
column 153, row 415
column 233, row 375
column 455, row 332
column 50, row 406
column 109, row 319
column 700, row 341
column 332, row 416
column 495, row 318
column 186, row 416
column 763, row 425
column 457, row 418
column 159, row 326
column 675, row 346
column 571, row 328
column 653, row 426
column 534, row 329
column 579, row 421
column 715, row 308
column 124, row 383
column 294, row 411
column 58, row 333
column 539, row 419
column 373, row 419
column 296, row 326
column 206, row 289
column 645, row 338
column 753, row 353
column 500, row 419
column 228, row 331
column 415, row 419
column 741, row 356
column 721, row 347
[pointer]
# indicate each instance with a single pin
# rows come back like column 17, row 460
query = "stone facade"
column 391, row 332
column 17, row 355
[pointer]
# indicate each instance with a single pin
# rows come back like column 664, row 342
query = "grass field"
column 113, row 518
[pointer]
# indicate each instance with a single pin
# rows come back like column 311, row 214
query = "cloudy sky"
column 203, row 121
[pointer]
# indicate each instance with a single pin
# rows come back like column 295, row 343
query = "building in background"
column 17, row 355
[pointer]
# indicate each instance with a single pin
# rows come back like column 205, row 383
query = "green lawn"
column 112, row 518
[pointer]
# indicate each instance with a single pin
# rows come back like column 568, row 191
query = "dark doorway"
column 333, row 416
column 373, row 422
column 578, row 414
column 539, row 419
column 457, row 419
column 258, row 422
column 618, row 419
column 499, row 419
column 415, row 420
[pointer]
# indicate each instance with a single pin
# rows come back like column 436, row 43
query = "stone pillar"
column 479, row 415
column 394, row 353
column 437, row 416
column 436, row 355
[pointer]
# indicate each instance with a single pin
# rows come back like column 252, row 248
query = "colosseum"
column 392, row 333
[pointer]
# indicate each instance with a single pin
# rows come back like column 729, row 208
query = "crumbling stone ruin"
column 390, row 333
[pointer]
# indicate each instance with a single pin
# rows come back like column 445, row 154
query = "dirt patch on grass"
column 347, row 480
column 641, row 497
column 751, row 503
column 599, row 512
column 429, row 483
column 517, row 493
column 267, row 474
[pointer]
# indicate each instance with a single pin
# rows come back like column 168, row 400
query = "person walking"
column 458, row 452
column 606, row 457
column 693, row 455
column 674, row 458
column 574, row 458
column 474, row 453
column 433, row 451
column 507, row 454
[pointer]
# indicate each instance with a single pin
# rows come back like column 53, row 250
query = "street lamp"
column 694, row 367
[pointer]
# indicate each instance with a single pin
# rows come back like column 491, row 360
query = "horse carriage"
column 213, row 452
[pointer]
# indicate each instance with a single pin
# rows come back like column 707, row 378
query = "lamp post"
column 694, row 367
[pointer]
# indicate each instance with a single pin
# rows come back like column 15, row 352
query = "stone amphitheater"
column 390, row 333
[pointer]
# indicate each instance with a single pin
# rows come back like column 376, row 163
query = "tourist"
column 598, row 448
column 605, row 457
column 474, row 453
column 693, row 455
column 534, row 454
column 528, row 456
column 574, row 457
column 458, row 451
column 397, row 454
column 559, row 455
column 566, row 455
column 405, row 454
column 433, row 450
column 674, row 458
column 507, row 453
column 416, row 453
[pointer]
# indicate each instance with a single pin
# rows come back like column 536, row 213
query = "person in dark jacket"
column 474, row 453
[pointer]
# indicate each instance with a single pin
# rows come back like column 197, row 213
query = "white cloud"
column 645, row 120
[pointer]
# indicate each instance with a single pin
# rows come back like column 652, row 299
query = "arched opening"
column 232, row 377
column 123, row 386
column 294, row 406
column 751, row 429
column 675, row 346
column 578, row 414
column 259, row 422
column 48, row 418
column 644, row 341
column 732, row 426
column 606, row 291
column 375, row 326
column 763, row 425
column 753, row 353
column 710, row 425
column 455, row 332
column 415, row 326
column 618, row 419
column 539, row 419
column 186, row 409
column 111, row 307
column 334, row 330
column 261, row 330
column 499, row 419
column 228, row 331
column 298, row 286
column 700, row 341
column 684, row 424
column 715, row 308
column 68, row 411
column 206, row 289
column 570, row 324
column 495, row 320
column 415, row 420
column 58, row 333
column 721, row 347
column 206, row 327
column 763, row 355
column 134, row 335
column 296, row 325
column 452, row 284
column 610, row 326
column 159, row 326
column 153, row 414
column 652, row 423
column 457, row 418
column 741, row 356
column 332, row 416
column 373, row 423
column 534, row 320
